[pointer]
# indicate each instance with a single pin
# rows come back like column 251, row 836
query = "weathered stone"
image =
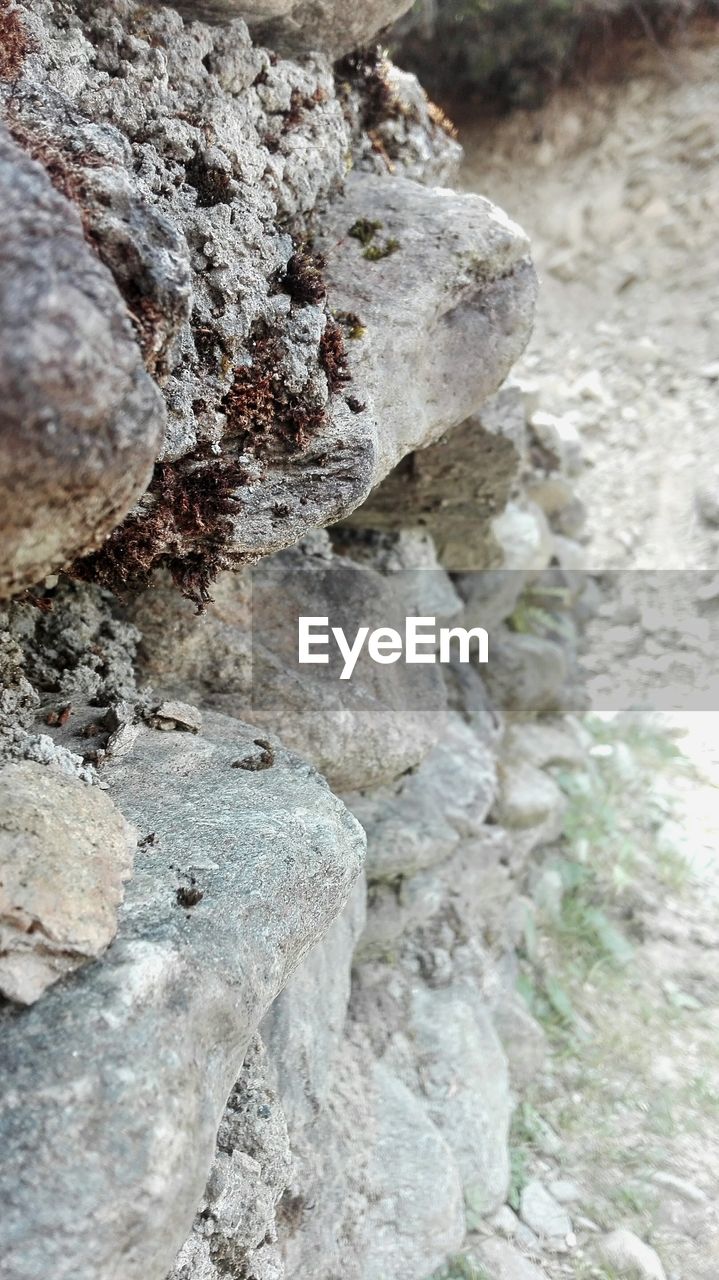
column 523, row 1039
column 523, row 536
column 444, row 290
column 106, row 1151
column 544, row 743
column 542, row 1213
column 629, row 1256
column 456, row 488
column 64, row 854
column 242, row 659
column 526, row 674
column 81, row 421
column 528, row 797
column 450, row 1054
column 415, row 135
column 505, row 1262
column 419, row 821
column 415, row 1215
column 296, row 26
column 234, row 1231
column 303, row 1029
column 395, row 909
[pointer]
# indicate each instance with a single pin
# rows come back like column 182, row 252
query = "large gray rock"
column 80, row 420
column 630, row 1257
column 242, row 659
column 451, row 1056
column 295, row 26
column 504, row 1262
column 444, row 289
column 526, row 674
column 420, row 820
column 456, row 487
column 116, row 1081
column 65, row 851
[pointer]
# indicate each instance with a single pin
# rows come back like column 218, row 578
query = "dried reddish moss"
column 366, row 71
column 303, row 279
column 262, row 413
column 191, row 505
column 333, row 356
column 15, row 41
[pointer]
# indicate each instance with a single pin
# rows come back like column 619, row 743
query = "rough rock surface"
column 238, row 874
column 241, row 658
column 296, row 26
column 65, row 851
column 81, row 421
column 420, row 820
column 432, row 277
column 456, row 487
column 629, row 1256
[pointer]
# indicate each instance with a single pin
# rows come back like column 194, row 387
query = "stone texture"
column 296, row 26
column 234, row 1231
column 504, row 1262
column 451, row 1055
column 456, row 487
column 542, row 1213
column 446, row 313
column 523, row 1039
column 241, row 658
column 630, row 1257
column 528, row 797
column 526, row 675
column 81, row 421
column 106, row 1151
column 419, row 821
column 65, row 851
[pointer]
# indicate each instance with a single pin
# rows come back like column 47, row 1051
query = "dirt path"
column 619, row 190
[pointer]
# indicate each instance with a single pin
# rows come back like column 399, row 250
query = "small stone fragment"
column 174, row 714
column 629, row 1256
column 64, row 853
column 542, row 1213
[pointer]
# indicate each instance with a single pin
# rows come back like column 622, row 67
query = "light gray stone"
column 629, row 1256
column 548, row 1219
column 528, row 797
column 504, row 1262
column 420, row 820
column 415, row 1216
column 303, row 1029
column 523, row 1039
column 526, row 674
column 106, row 1150
column 395, row 909
column 446, row 313
column 544, row 743
column 296, row 26
column 65, row 851
column 81, row 421
column 451, row 1055
column 457, row 487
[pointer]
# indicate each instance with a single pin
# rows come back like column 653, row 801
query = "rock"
column 420, row 820
column 681, row 1187
column 629, row 1256
column 176, row 715
column 523, row 1039
column 505, row 1262
column 490, row 596
column 239, row 875
column 64, row 854
column 447, row 308
column 411, row 557
column 415, row 1217
column 235, row 1225
column 415, row 132
column 565, row 1191
column 544, row 743
column 242, row 659
column 527, row 797
column 505, row 1222
column 523, row 536
column 461, row 1075
column 298, row 26
column 455, row 488
column 395, row 909
column 304, row 1027
column 526, row 674
column 541, row 1212
column 81, row 421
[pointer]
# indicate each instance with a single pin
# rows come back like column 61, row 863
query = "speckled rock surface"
column 65, row 851
column 106, row 1152
column 81, row 421
column 298, row 25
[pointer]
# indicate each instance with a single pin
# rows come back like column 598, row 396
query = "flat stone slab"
column 115, row 1081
